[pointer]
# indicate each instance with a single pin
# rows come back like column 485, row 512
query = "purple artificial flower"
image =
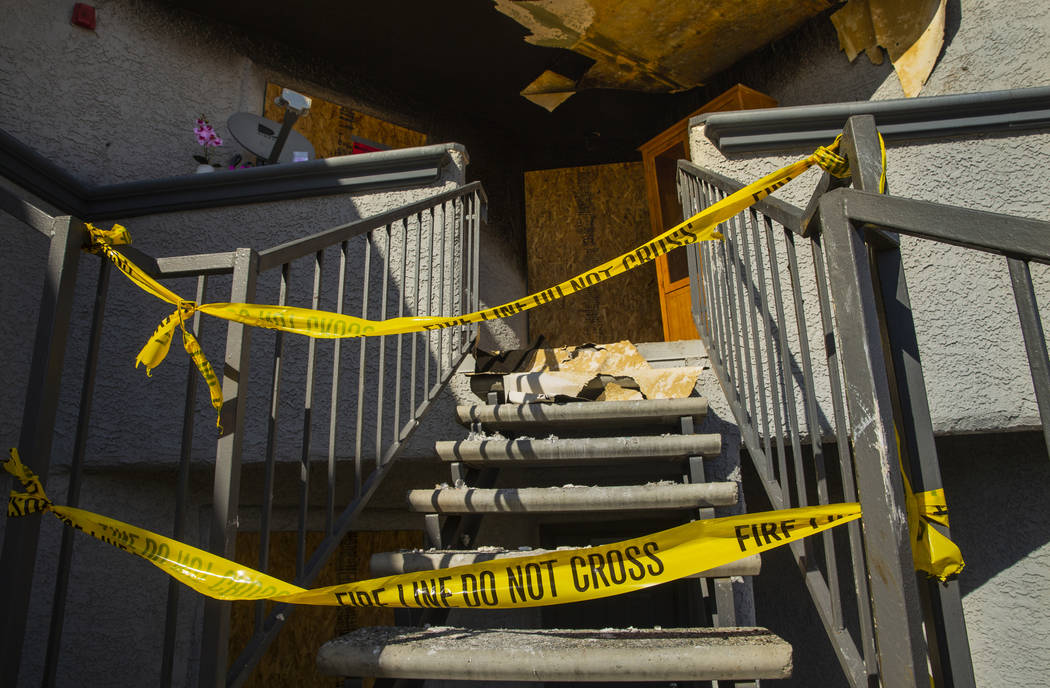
column 207, row 138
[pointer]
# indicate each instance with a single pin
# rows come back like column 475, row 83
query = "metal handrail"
column 393, row 169
column 425, row 259
column 864, row 374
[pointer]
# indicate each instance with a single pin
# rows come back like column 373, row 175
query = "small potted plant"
column 207, row 139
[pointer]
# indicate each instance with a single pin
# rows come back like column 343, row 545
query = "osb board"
column 290, row 660
column 374, row 129
column 329, row 126
column 579, row 217
column 322, row 125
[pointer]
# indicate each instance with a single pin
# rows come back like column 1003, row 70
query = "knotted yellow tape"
column 530, row 581
column 326, row 325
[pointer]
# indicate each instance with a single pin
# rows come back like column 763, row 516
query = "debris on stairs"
column 642, row 471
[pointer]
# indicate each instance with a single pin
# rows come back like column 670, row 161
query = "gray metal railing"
column 817, row 354
column 286, row 399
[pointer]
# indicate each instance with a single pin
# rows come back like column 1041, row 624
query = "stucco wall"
column 976, row 369
column 119, row 105
column 972, row 353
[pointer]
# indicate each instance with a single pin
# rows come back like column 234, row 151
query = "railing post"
column 226, row 488
column 894, row 590
column 946, row 629
column 34, row 442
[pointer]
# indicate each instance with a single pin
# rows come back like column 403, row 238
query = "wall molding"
column 807, row 126
column 345, row 174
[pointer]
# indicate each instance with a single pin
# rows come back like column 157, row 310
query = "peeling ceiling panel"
column 658, row 45
column 550, row 90
column 911, row 31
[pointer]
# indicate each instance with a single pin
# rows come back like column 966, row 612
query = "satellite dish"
column 272, row 142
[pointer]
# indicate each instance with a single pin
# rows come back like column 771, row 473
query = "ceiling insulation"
column 658, row 46
column 661, row 46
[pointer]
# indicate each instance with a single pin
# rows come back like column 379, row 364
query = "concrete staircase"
column 647, row 476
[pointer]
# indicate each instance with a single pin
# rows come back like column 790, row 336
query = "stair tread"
column 571, row 498
column 411, row 561
column 584, row 413
column 586, row 449
column 553, row 654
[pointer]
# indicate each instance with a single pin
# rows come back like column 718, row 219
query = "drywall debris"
column 603, row 372
column 911, row 31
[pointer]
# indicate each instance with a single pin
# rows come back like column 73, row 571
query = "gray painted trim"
column 806, row 126
column 343, row 174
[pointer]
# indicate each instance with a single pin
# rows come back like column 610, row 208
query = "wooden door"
column 660, row 156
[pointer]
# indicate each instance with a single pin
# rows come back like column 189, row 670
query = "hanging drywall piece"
column 550, row 90
column 911, row 31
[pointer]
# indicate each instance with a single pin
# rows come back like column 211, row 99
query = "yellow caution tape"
column 530, row 581
column 326, row 325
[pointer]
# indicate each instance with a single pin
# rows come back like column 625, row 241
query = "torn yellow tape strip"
column 530, row 581
column 323, row 324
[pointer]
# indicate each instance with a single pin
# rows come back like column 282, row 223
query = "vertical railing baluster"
column 76, row 474
column 430, row 303
column 182, row 488
column 403, row 295
column 1034, row 338
column 709, row 257
column 790, row 400
column 215, row 637
column 475, row 303
column 733, row 349
column 443, row 307
column 333, row 417
column 272, row 424
column 307, row 440
column 416, row 336
column 359, row 424
column 774, row 387
column 747, row 385
column 759, row 391
column 381, row 374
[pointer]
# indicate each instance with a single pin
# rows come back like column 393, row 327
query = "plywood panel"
column 579, row 217
column 330, row 127
column 374, row 129
column 291, row 659
column 322, row 126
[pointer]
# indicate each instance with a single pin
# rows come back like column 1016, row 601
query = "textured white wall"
column 972, row 352
column 976, row 369
column 119, row 105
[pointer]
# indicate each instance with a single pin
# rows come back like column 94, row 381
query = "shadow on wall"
column 996, row 489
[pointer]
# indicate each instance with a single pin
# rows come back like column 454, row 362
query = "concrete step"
column 578, row 451
column 469, row 500
column 413, row 561
column 674, row 654
column 584, row 414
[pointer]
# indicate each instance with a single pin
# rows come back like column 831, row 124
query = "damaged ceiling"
column 667, row 46
column 657, row 46
column 603, row 76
